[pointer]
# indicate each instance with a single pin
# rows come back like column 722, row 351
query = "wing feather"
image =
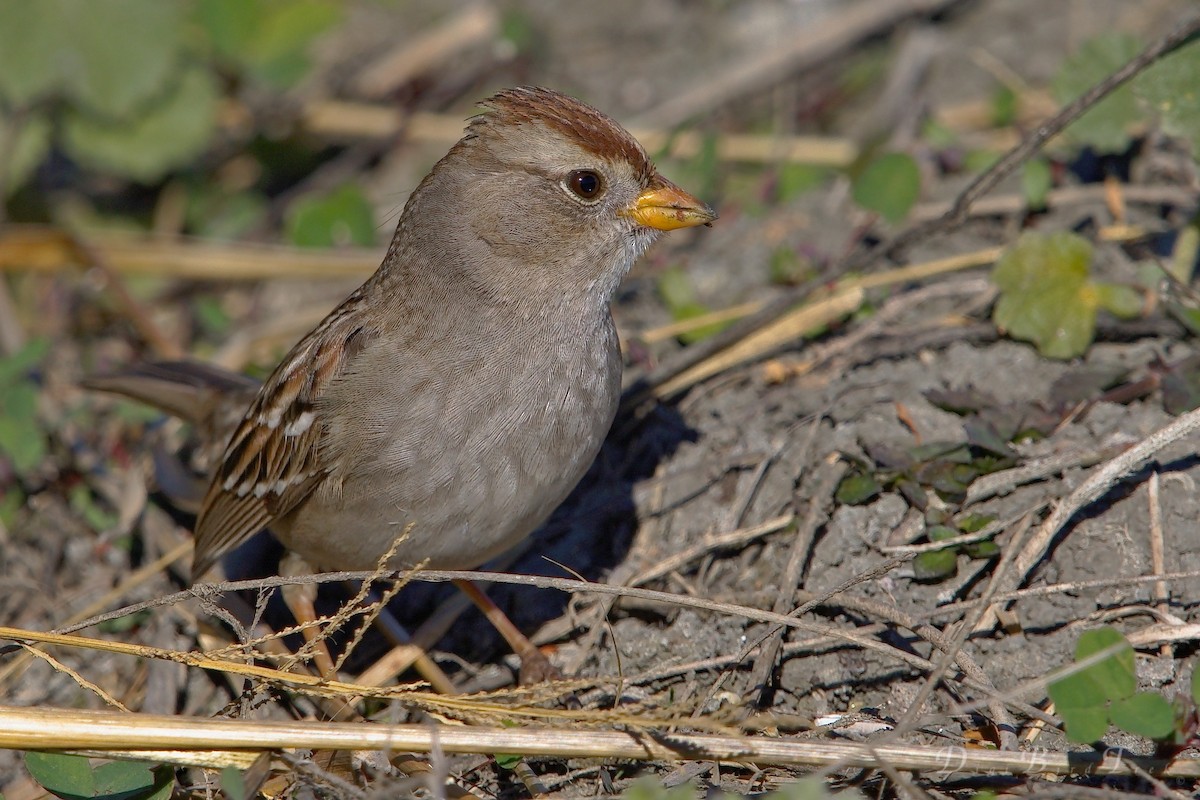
column 271, row 464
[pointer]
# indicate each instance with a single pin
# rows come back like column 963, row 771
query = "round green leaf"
column 343, row 217
column 74, row 777
column 1045, row 295
column 890, row 186
column 168, row 134
column 1105, row 126
column 1144, row 714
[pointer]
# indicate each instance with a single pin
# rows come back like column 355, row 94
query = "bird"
column 449, row 404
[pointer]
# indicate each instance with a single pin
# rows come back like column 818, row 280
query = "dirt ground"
column 760, row 446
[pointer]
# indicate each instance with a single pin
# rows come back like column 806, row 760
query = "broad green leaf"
column 1082, row 698
column 1106, row 125
column 29, row 64
column 1169, row 87
column 1114, row 675
column 1035, row 182
column 935, row 564
column 120, row 53
column 73, row 777
column 1144, row 714
column 270, row 40
column 168, row 134
column 1045, row 295
column 233, row 783
column 32, row 142
column 342, row 217
column 109, row 55
column 889, row 185
column 1121, row 301
column 1085, row 725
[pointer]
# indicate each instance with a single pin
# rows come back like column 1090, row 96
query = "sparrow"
column 452, row 401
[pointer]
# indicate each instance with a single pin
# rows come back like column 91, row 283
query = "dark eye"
column 585, row 183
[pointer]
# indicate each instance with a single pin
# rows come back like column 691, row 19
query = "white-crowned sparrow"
column 467, row 385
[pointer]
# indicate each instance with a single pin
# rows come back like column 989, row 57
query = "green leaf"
column 1144, row 714
column 1085, row 725
column 1105, row 126
column 508, row 761
column 1121, row 301
column 795, row 179
column 984, row 549
column 889, row 185
column 1045, row 295
column 810, row 789
column 1036, row 180
column 857, row 488
column 1114, row 675
column 21, row 438
column 11, row 501
column 27, row 140
column 675, row 289
column 19, row 364
column 1169, row 87
column 343, row 217
column 1082, row 697
column 1004, row 107
column 168, row 134
column 936, row 564
column 84, row 504
column 109, row 55
column 233, row 783
column 29, row 65
column 73, row 777
column 270, row 40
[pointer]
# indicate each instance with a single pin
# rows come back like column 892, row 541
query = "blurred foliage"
column 889, row 185
column 1167, row 89
column 1048, row 297
column 676, row 292
column 132, row 87
column 22, row 440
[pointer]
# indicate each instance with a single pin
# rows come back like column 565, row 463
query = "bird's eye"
column 585, row 183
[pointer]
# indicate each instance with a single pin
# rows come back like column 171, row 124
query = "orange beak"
column 666, row 207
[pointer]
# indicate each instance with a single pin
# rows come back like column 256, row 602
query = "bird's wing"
column 271, row 464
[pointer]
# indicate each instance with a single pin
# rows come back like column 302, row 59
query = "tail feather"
column 190, row 390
